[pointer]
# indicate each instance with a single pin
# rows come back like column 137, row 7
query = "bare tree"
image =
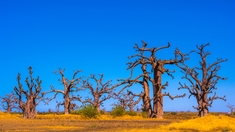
column 70, row 86
column 9, row 102
column 32, row 95
column 203, row 80
column 100, row 91
column 126, row 100
column 232, row 108
column 157, row 68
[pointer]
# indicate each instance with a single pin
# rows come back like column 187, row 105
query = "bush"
column 118, row 111
column 143, row 114
column 87, row 111
column 102, row 112
column 131, row 113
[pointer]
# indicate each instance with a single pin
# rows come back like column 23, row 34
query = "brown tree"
column 32, row 95
column 157, row 68
column 203, row 80
column 70, row 86
column 126, row 100
column 232, row 108
column 100, row 91
column 9, row 102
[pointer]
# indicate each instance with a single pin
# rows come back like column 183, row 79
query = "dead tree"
column 203, row 80
column 142, row 79
column 30, row 98
column 9, row 102
column 126, row 100
column 157, row 68
column 70, row 86
column 100, row 91
column 232, row 108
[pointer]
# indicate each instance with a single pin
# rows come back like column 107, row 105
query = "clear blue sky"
column 98, row 36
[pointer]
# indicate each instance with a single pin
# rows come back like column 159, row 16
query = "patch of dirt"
column 59, row 125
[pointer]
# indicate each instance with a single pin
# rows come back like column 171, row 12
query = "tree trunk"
column 146, row 100
column 203, row 108
column 98, row 108
column 8, row 108
column 157, row 92
column 66, row 104
column 29, row 110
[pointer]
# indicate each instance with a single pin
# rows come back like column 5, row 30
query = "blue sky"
column 98, row 36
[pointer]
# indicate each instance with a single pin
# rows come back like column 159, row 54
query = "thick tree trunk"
column 8, row 108
column 66, row 104
column 203, row 108
column 157, row 92
column 29, row 110
column 146, row 101
column 98, row 108
column 97, row 103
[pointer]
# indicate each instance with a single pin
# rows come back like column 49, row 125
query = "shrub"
column 102, row 112
column 118, row 111
column 131, row 113
column 76, row 112
column 87, row 111
column 143, row 114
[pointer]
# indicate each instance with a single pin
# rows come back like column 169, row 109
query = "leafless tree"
column 70, row 86
column 232, row 108
column 126, row 100
column 203, row 80
column 157, row 69
column 9, row 102
column 100, row 91
column 32, row 95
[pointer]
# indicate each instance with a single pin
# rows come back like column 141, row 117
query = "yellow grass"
column 205, row 124
column 68, row 122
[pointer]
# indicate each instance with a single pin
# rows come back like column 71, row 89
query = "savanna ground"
column 176, row 122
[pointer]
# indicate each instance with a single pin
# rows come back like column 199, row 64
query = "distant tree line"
column 202, row 82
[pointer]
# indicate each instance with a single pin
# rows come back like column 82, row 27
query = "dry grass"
column 178, row 122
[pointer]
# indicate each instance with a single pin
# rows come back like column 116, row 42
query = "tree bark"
column 157, row 92
column 66, row 104
column 146, row 101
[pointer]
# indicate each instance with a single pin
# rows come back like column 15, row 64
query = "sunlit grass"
column 209, row 123
column 220, row 123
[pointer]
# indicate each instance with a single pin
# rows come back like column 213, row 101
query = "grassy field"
column 175, row 122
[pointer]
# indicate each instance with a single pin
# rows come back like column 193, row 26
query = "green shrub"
column 131, row 113
column 76, row 112
column 143, row 114
column 102, row 112
column 87, row 111
column 118, row 111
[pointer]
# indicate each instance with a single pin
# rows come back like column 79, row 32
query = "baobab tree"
column 29, row 98
column 127, row 100
column 9, row 102
column 100, row 91
column 232, row 108
column 157, row 69
column 70, row 86
column 202, row 79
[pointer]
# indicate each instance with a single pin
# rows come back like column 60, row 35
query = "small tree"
column 100, row 91
column 232, row 108
column 70, row 86
column 203, row 80
column 32, row 95
column 126, row 100
column 9, row 102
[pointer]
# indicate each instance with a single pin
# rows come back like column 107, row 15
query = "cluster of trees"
column 202, row 82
